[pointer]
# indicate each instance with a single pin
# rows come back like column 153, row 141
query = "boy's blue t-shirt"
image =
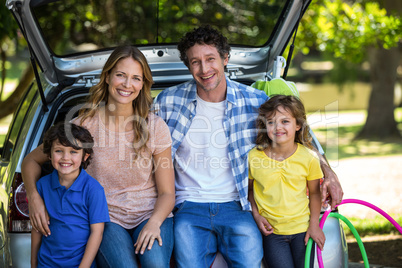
column 71, row 212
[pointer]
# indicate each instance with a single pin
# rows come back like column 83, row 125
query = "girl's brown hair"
column 292, row 105
column 99, row 94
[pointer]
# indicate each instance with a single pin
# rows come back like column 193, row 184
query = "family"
column 210, row 165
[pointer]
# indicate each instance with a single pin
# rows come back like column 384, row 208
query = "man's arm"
column 331, row 187
column 31, row 171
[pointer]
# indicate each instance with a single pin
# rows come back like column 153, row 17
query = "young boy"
column 75, row 201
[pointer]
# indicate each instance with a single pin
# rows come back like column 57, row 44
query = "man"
column 211, row 120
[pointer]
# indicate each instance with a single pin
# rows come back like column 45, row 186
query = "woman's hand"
column 149, row 233
column 38, row 214
column 31, row 171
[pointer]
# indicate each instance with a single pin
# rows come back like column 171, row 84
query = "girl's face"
column 125, row 81
column 66, row 160
column 282, row 127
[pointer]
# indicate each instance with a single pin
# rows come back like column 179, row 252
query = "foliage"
column 8, row 27
column 346, row 147
column 8, row 30
column 346, row 28
column 105, row 23
column 375, row 226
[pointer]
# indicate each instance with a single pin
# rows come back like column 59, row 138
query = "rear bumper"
column 20, row 246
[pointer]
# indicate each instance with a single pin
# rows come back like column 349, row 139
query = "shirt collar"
column 230, row 91
column 77, row 184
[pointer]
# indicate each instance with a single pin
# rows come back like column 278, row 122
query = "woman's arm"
column 314, row 231
column 36, row 239
column 164, row 179
column 94, row 241
column 31, row 171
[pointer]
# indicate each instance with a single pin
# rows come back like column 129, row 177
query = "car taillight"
column 18, row 216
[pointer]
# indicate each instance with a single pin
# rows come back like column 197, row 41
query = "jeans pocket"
column 178, row 207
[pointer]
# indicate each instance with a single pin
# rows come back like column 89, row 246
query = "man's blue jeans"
column 117, row 247
column 284, row 250
column 202, row 229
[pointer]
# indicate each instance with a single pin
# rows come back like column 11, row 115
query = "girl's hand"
column 317, row 235
column 264, row 226
column 149, row 233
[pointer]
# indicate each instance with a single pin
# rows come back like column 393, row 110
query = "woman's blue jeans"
column 284, row 250
column 117, row 247
column 203, row 229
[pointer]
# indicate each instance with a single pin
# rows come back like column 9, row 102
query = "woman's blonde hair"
column 292, row 105
column 99, row 94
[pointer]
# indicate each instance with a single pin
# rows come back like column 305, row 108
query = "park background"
column 347, row 54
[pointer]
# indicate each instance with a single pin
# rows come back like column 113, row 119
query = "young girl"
column 281, row 167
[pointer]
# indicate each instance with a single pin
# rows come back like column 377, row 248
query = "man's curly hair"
column 203, row 35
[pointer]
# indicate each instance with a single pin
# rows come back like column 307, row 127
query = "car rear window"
column 76, row 26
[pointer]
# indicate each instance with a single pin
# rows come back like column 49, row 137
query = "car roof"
column 72, row 39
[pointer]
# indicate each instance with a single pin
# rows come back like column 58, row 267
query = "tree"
column 8, row 35
column 106, row 23
column 356, row 31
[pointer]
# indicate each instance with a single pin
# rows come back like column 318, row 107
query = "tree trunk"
column 9, row 105
column 380, row 122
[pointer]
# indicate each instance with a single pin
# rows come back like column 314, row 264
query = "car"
column 69, row 42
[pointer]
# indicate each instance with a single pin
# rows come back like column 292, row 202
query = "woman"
column 132, row 161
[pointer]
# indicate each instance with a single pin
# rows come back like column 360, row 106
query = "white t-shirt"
column 202, row 166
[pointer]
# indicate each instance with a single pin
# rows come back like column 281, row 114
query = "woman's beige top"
column 129, row 183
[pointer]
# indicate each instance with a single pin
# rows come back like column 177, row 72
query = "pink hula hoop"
column 356, row 201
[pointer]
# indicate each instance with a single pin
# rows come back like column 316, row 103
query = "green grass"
column 338, row 142
column 373, row 226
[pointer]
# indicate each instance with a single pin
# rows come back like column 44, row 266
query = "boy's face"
column 66, row 160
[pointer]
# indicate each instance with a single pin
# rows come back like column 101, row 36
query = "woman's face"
column 125, row 81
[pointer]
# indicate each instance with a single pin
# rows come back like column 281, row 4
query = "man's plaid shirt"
column 176, row 105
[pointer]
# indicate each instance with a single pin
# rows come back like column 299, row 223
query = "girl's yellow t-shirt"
column 280, row 188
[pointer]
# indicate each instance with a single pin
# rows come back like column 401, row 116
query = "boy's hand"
column 38, row 215
column 149, row 233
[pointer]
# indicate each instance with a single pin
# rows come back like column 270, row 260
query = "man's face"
column 207, row 68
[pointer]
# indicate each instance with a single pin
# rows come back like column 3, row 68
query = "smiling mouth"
column 65, row 165
column 124, row 93
column 207, row 77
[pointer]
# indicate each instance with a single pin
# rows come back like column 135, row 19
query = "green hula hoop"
column 354, row 232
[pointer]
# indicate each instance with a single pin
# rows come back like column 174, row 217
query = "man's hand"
column 38, row 214
column 331, row 188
